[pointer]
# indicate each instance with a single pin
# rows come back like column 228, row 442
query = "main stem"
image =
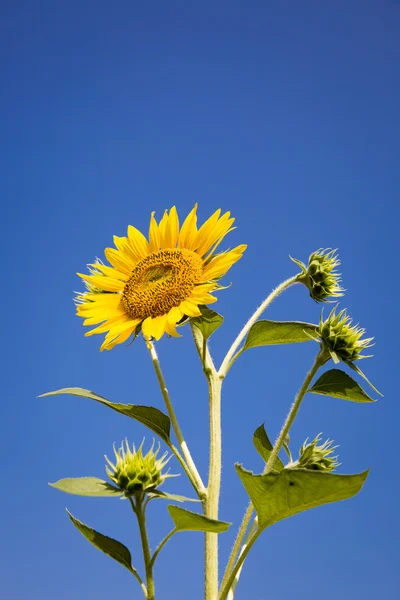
column 227, row 362
column 192, row 471
column 141, row 518
column 232, row 568
column 211, row 503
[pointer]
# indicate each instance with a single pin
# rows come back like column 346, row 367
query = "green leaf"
column 209, row 321
column 153, row 418
column 338, row 384
column 185, row 520
column 173, row 497
column 278, row 496
column 264, row 447
column 86, row 486
column 108, row 545
column 266, row 333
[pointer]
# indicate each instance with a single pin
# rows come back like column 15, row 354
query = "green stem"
column 141, row 519
column 190, row 469
column 211, row 502
column 161, row 545
column 226, row 588
column 229, row 358
column 320, row 359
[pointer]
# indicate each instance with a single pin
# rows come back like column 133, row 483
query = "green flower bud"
column 316, row 457
column 320, row 276
column 342, row 339
column 135, row 472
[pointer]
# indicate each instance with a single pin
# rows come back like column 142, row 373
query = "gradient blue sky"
column 285, row 113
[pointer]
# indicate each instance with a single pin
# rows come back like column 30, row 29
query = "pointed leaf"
column 338, row 384
column 172, row 497
column 278, row 496
column 209, row 321
column 108, row 545
column 266, row 333
column 264, row 447
column 185, row 520
column 86, row 486
column 153, row 418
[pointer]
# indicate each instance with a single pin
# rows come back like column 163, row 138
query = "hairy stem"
column 162, row 544
column 211, row 503
column 191, row 469
column 229, row 358
column 141, row 519
column 231, row 566
column 214, row 487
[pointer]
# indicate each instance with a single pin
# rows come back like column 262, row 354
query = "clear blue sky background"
column 285, row 113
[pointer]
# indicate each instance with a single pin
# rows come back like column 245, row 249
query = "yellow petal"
column 112, row 340
column 120, row 261
column 103, row 298
column 138, row 242
column 163, row 229
column 200, row 290
column 103, row 283
column 174, row 315
column 220, row 264
column 146, row 327
column 158, row 326
column 188, row 233
column 173, row 226
column 109, row 271
column 170, row 330
column 154, row 234
column 213, row 233
column 205, row 299
column 190, row 309
column 107, row 326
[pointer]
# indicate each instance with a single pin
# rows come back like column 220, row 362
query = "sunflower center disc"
column 160, row 282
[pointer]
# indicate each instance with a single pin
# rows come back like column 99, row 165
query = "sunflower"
column 152, row 285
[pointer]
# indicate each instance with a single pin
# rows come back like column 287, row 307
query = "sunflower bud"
column 316, row 457
column 342, row 339
column 134, row 472
column 320, row 276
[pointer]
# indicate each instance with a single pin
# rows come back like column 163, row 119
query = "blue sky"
column 285, row 113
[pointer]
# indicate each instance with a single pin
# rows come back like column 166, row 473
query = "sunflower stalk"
column 235, row 563
column 214, row 482
column 211, row 503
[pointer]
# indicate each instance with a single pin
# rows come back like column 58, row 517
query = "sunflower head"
column 316, row 456
column 135, row 472
column 154, row 284
column 342, row 340
column 320, row 275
